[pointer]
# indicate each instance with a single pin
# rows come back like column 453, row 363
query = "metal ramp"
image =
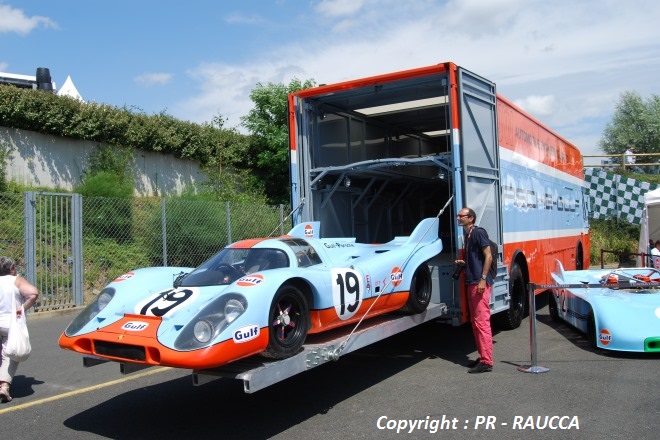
column 258, row 373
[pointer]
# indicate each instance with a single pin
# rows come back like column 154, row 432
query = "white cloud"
column 339, row 8
column 538, row 105
column 566, row 62
column 153, row 79
column 239, row 18
column 15, row 20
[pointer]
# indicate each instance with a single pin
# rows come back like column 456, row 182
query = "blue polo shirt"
column 474, row 256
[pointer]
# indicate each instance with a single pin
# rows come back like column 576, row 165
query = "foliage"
column 195, row 229
column 49, row 113
column 105, row 259
column 116, row 161
column 619, row 237
column 635, row 123
column 5, row 153
column 102, row 219
column 11, row 225
column 268, row 154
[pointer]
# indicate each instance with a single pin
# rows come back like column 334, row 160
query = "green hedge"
column 49, row 113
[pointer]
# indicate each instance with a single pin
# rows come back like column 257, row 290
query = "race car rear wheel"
column 552, row 306
column 289, row 321
column 420, row 291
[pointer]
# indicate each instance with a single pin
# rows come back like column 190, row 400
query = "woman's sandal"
column 4, row 395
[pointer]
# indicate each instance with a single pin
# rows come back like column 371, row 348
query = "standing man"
column 477, row 259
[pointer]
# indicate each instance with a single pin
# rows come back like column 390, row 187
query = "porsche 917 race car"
column 259, row 296
column 618, row 309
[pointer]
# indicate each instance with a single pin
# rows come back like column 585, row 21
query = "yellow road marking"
column 82, row 390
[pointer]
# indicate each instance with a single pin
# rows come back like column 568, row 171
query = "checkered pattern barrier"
column 615, row 196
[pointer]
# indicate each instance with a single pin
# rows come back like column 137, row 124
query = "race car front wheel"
column 289, row 322
column 553, row 307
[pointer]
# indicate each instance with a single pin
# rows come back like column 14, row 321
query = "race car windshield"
column 231, row 264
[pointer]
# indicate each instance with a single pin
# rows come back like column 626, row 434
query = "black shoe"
column 481, row 368
column 473, row 363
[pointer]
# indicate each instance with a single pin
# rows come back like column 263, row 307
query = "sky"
column 564, row 61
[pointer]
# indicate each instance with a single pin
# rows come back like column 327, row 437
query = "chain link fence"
column 119, row 235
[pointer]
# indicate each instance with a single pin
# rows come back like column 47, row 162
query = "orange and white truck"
column 372, row 156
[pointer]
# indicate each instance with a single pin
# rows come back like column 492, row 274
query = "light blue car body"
column 343, row 280
column 619, row 309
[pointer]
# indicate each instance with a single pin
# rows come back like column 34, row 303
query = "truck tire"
column 420, row 291
column 288, row 323
column 512, row 317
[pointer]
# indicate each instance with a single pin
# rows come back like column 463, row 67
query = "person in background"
column 655, row 255
column 631, row 160
column 26, row 294
column 476, row 259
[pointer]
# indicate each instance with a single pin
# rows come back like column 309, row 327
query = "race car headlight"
column 90, row 312
column 203, row 331
column 233, row 309
column 210, row 321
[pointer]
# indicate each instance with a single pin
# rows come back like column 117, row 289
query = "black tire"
column 553, row 307
column 579, row 258
column 420, row 291
column 288, row 323
column 513, row 316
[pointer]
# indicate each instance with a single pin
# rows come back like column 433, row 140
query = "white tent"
column 650, row 222
column 69, row 89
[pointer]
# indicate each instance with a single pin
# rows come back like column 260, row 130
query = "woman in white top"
column 26, row 294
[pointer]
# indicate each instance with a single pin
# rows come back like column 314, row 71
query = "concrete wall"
column 58, row 163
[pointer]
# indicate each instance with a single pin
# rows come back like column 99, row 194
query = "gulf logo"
column 135, row 326
column 250, row 281
column 605, row 337
column 396, row 276
column 309, row 231
column 126, row 276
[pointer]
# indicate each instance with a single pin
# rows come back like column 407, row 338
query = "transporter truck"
column 372, row 157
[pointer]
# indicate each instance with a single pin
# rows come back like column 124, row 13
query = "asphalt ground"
column 376, row 392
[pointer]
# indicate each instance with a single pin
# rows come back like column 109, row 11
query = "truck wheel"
column 288, row 323
column 552, row 306
column 579, row 259
column 512, row 317
column 420, row 291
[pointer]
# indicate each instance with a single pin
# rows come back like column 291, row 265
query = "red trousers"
column 480, row 319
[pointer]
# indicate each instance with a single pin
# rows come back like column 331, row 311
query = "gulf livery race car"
column 618, row 309
column 260, row 296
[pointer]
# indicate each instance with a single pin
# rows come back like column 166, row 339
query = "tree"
column 635, row 123
column 268, row 153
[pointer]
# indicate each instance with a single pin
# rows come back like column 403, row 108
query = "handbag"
column 18, row 346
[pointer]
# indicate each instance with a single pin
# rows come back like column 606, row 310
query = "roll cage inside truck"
column 372, row 157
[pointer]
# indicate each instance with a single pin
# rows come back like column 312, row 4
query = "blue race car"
column 260, row 296
column 618, row 309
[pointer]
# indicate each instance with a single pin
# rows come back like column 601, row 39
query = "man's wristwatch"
column 483, row 277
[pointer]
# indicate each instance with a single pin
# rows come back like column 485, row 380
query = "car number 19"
column 346, row 292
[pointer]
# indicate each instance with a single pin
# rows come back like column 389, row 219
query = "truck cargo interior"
column 381, row 158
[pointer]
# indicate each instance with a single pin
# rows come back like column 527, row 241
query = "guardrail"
column 619, row 160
